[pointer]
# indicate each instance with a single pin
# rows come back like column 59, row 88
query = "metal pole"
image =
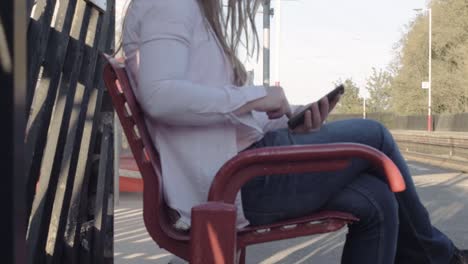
column 429, row 110
column 278, row 42
column 364, row 114
column 117, row 148
column 266, row 42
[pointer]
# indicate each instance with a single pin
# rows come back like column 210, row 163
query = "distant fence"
column 69, row 135
column 443, row 149
column 446, row 122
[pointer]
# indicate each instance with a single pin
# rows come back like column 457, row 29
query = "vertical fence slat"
column 38, row 35
column 105, row 175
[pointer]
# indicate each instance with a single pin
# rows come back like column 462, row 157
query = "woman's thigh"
column 366, row 197
column 363, row 131
column 286, row 196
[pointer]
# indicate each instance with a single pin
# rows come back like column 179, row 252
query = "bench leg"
column 242, row 255
column 213, row 234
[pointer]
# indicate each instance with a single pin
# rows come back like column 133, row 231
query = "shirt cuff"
column 253, row 92
column 246, row 120
column 250, row 93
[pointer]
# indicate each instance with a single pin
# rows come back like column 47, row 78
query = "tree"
column 378, row 85
column 449, row 62
column 350, row 102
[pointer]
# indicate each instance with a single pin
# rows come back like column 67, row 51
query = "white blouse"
column 183, row 83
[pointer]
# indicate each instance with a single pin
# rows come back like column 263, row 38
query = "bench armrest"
column 297, row 159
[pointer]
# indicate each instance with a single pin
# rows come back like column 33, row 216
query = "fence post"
column 12, row 113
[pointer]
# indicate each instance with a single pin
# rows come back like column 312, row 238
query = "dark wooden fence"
column 69, row 137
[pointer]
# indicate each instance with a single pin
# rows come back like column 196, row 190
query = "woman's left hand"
column 316, row 115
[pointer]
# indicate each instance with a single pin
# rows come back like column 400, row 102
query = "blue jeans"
column 393, row 228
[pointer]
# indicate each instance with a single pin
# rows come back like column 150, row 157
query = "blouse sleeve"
column 165, row 92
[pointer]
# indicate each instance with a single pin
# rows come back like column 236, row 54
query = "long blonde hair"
column 234, row 28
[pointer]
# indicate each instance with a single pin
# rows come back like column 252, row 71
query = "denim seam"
column 291, row 138
column 392, row 148
column 401, row 205
column 368, row 196
column 403, row 208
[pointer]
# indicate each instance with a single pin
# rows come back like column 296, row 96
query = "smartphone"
column 298, row 119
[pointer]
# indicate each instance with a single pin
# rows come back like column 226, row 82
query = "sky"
column 323, row 41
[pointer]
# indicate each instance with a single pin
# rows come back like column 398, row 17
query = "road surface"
column 443, row 192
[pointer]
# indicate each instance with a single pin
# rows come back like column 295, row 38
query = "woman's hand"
column 274, row 104
column 316, row 115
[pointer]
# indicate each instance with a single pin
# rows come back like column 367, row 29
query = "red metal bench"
column 213, row 237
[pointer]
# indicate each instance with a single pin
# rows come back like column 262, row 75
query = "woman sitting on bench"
column 181, row 55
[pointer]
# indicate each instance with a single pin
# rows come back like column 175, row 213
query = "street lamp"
column 429, row 105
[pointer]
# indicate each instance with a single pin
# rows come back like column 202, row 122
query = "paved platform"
column 444, row 193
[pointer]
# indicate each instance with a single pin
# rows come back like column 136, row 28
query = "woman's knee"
column 382, row 138
column 369, row 199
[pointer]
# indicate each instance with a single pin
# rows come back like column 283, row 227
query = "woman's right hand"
column 272, row 101
column 274, row 104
